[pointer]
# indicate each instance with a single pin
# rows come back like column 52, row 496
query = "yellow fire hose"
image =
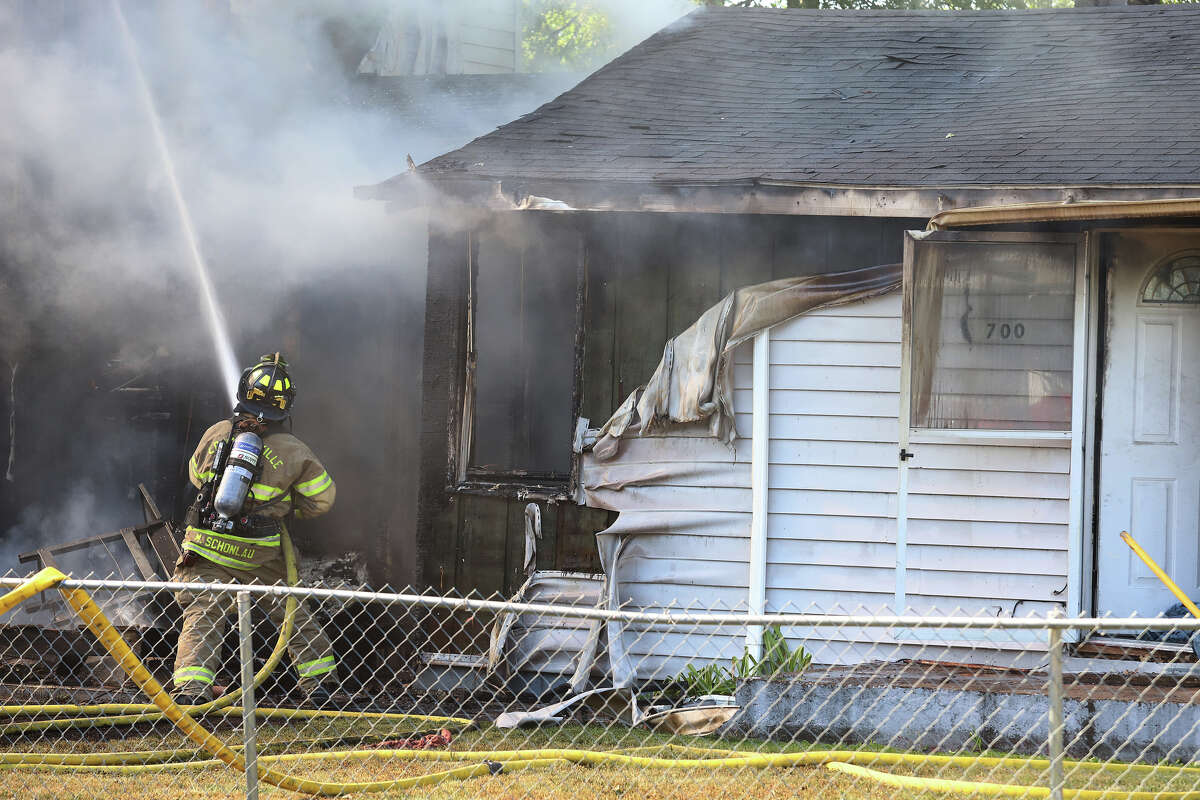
column 856, row 763
column 111, row 714
column 127, row 714
column 1160, row 573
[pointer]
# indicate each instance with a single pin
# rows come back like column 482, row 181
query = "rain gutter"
column 1064, row 212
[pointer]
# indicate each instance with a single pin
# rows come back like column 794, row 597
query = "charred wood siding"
column 473, row 540
column 524, row 333
column 359, row 406
column 650, row 276
column 442, row 386
column 647, row 277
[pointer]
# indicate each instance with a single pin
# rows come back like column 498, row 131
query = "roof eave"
column 740, row 196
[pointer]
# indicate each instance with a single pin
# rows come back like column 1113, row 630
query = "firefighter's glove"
column 249, row 425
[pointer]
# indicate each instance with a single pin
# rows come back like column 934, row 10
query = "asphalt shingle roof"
column 879, row 98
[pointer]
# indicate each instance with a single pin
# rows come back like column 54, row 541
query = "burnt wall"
column 650, row 276
column 645, row 277
column 443, row 365
column 352, row 340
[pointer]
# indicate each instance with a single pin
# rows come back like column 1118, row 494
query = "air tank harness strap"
column 236, row 552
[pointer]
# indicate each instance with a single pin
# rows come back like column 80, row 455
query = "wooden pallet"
column 157, row 533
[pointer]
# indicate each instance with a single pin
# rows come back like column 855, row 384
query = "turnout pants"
column 205, row 614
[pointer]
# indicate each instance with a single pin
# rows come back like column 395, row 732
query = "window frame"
column 913, row 434
column 1154, row 271
column 516, row 482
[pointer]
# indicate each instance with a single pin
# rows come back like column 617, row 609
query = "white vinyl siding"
column 448, row 37
column 834, row 406
column 991, row 537
column 987, row 529
column 488, row 38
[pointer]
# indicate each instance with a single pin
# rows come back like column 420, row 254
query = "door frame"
column 1083, row 378
column 1100, row 288
column 1087, row 563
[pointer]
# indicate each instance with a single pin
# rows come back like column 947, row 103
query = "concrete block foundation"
column 1128, row 723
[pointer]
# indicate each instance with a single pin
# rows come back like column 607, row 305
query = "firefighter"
column 245, row 546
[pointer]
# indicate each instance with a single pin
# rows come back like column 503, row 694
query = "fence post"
column 1055, row 743
column 246, row 650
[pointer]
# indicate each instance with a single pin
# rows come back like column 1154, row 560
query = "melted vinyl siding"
column 987, row 524
column 687, row 529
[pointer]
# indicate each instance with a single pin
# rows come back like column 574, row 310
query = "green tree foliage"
column 566, row 34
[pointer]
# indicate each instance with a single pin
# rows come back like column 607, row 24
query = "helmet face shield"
column 266, row 389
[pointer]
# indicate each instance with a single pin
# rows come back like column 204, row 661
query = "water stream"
column 217, row 327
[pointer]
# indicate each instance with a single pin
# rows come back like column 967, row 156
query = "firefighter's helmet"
column 266, row 389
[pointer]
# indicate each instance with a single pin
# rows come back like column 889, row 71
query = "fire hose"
column 858, row 763
column 109, row 714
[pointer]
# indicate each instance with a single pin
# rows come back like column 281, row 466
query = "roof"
column 1100, row 96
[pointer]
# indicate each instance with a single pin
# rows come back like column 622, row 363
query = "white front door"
column 1150, row 428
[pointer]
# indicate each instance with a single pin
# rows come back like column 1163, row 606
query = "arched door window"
column 1175, row 280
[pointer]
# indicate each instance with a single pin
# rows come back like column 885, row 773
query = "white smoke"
column 269, row 129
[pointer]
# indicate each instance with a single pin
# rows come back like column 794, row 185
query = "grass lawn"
column 561, row 780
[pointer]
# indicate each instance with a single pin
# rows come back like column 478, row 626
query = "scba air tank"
column 240, row 470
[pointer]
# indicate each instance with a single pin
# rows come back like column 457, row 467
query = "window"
column 992, row 334
column 523, row 325
column 1176, row 280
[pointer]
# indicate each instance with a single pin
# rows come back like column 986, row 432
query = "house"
column 974, row 439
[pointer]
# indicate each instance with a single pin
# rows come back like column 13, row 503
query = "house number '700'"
column 1005, row 330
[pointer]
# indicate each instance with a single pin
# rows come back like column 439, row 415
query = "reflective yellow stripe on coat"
column 315, row 486
column 262, row 492
column 235, row 552
column 198, row 476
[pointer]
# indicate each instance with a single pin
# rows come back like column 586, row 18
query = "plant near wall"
column 709, row 679
column 778, row 658
column 744, row 667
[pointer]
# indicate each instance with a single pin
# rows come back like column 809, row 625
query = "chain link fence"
column 556, row 696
